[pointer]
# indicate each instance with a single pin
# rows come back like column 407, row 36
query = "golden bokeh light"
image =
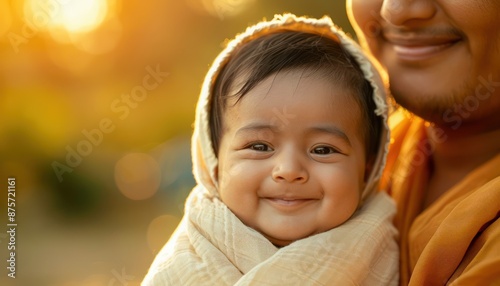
column 102, row 41
column 228, row 8
column 71, row 15
column 137, row 176
column 221, row 8
column 92, row 25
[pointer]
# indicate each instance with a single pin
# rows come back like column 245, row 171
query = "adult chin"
column 466, row 109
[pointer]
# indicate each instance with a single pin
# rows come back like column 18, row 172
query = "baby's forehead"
column 293, row 81
column 297, row 95
column 296, row 89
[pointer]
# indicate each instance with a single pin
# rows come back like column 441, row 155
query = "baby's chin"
column 284, row 240
column 278, row 242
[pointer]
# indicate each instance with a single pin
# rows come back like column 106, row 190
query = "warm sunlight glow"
column 137, row 176
column 223, row 8
column 5, row 17
column 81, row 16
column 73, row 16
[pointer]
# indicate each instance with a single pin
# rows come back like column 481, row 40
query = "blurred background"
column 97, row 101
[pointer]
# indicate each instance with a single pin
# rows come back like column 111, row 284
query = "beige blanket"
column 213, row 247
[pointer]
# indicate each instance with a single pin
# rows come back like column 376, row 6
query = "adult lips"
column 416, row 46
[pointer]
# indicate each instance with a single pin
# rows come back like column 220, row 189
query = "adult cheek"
column 364, row 17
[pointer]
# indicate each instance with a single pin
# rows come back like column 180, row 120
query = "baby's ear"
column 369, row 167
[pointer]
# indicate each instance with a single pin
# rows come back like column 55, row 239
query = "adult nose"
column 290, row 168
column 401, row 12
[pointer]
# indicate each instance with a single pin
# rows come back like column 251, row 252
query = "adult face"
column 291, row 158
column 442, row 56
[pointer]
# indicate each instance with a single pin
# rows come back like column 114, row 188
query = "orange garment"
column 456, row 240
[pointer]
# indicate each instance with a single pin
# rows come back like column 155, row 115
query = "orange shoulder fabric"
column 456, row 240
column 404, row 177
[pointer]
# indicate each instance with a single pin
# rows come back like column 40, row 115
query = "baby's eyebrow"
column 257, row 126
column 329, row 129
column 332, row 130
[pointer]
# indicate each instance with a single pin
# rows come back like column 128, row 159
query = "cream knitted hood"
column 204, row 159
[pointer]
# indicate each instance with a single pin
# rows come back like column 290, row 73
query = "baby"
column 289, row 143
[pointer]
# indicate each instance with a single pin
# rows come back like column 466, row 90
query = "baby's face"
column 291, row 158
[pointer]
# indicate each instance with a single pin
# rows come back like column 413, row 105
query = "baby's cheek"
column 230, row 175
column 229, row 180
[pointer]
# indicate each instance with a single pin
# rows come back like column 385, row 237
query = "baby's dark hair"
column 285, row 50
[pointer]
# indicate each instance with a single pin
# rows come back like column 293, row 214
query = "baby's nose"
column 290, row 168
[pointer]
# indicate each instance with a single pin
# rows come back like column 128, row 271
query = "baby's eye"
column 261, row 147
column 323, row 150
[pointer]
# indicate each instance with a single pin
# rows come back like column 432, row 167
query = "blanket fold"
column 213, row 247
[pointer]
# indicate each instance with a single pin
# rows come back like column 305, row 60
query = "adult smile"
column 418, row 46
